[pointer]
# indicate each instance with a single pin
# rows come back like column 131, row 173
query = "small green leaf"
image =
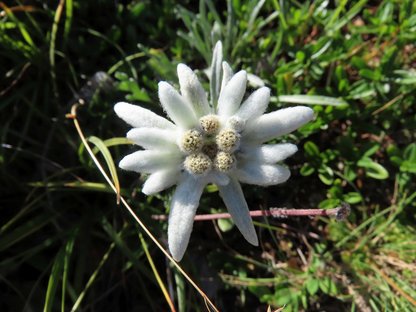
column 408, row 166
column 260, row 291
column 396, row 160
column 349, row 173
column 211, row 188
column 312, row 286
column 372, row 150
column 225, row 224
column 326, row 175
column 410, row 152
column 328, row 286
column 307, row 170
column 353, row 198
column 325, row 178
column 300, row 56
column 283, row 296
column 329, row 203
column 135, row 92
column 121, row 76
column 361, row 90
column 373, row 170
column 311, row 149
column 370, row 74
column 406, row 77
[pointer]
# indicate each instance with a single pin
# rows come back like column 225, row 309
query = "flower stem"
column 339, row 213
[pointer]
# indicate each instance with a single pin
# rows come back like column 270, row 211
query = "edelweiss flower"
column 218, row 143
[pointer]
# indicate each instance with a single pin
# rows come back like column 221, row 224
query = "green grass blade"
column 60, row 266
column 68, row 19
column 133, row 256
column 54, row 279
column 57, row 18
column 75, row 186
column 180, row 291
column 68, row 252
column 92, row 278
column 311, row 100
column 118, row 48
column 337, row 23
column 120, row 63
column 30, row 206
column 156, row 273
column 23, row 231
column 114, row 142
column 108, row 159
column 25, row 34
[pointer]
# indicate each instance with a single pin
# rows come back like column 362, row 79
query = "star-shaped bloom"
column 220, row 142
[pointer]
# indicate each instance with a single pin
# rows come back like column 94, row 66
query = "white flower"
column 219, row 142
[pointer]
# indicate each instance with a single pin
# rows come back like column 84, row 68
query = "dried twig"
column 339, row 213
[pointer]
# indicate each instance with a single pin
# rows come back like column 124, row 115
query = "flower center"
column 198, row 163
column 191, row 141
column 227, row 140
column 209, row 124
column 209, row 147
column 223, row 161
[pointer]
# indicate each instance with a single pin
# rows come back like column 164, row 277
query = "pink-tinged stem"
column 340, row 213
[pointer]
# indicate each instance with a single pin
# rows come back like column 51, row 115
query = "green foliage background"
column 64, row 242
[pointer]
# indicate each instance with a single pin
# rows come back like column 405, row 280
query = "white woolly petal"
column 192, row 90
column 255, row 81
column 262, row 174
column 227, row 73
column 138, row 117
column 160, row 180
column 176, row 106
column 234, row 200
column 185, row 201
column 151, row 138
column 277, row 123
column 230, row 98
column 270, row 153
column 150, row 161
column 255, row 105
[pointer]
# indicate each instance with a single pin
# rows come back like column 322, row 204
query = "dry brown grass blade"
column 73, row 115
column 17, row 8
column 388, row 104
column 393, row 284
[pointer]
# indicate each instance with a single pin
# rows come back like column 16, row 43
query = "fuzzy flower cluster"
column 218, row 141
